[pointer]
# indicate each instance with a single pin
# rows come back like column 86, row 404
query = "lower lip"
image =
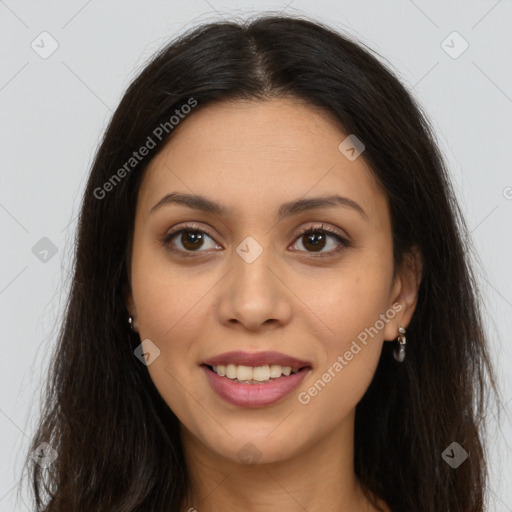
column 254, row 395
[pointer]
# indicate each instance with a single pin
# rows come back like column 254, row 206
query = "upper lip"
column 257, row 359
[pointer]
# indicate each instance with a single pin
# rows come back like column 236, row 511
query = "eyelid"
column 313, row 227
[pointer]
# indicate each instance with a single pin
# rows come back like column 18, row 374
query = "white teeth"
column 275, row 371
column 248, row 373
column 260, row 373
column 244, row 373
column 231, row 371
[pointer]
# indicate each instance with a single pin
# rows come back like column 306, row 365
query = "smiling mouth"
column 254, row 374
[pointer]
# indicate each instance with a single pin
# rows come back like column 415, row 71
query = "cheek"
column 354, row 310
column 351, row 304
column 170, row 299
column 351, row 351
column 168, row 311
column 167, row 295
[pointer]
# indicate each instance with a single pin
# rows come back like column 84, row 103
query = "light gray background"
column 53, row 113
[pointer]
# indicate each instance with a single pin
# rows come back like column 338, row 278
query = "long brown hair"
column 117, row 441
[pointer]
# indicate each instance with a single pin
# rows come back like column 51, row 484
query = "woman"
column 272, row 305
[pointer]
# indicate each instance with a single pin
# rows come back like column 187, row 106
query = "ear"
column 405, row 292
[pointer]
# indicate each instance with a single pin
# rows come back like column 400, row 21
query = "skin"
column 251, row 157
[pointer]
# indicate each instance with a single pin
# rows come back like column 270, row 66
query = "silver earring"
column 399, row 349
column 130, row 321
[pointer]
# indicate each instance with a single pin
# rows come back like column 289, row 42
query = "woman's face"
column 244, row 278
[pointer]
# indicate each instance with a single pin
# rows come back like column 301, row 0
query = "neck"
column 319, row 477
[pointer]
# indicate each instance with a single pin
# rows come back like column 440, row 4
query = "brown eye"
column 316, row 239
column 188, row 240
column 191, row 240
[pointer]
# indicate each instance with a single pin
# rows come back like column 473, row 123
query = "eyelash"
column 310, row 229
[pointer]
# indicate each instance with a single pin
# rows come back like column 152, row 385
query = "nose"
column 253, row 296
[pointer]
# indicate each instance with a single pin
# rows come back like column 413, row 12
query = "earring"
column 399, row 349
column 130, row 321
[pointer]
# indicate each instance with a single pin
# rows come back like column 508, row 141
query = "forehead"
column 268, row 152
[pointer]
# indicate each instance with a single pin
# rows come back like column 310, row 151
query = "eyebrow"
column 198, row 202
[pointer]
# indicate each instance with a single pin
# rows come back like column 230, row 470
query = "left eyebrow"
column 198, row 202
